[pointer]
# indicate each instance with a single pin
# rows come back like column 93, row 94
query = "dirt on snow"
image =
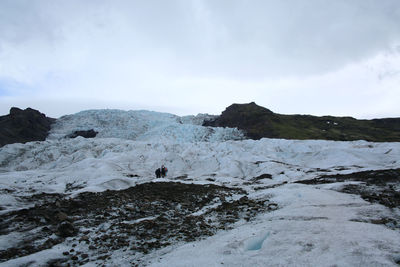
column 136, row 220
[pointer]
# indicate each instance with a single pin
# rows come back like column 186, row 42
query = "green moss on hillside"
column 258, row 122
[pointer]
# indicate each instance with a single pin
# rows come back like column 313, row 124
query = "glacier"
column 313, row 226
column 142, row 125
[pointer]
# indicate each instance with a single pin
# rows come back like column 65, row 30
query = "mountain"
column 237, row 122
column 22, row 126
column 258, row 122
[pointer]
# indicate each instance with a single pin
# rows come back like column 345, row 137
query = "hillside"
column 22, row 126
column 258, row 122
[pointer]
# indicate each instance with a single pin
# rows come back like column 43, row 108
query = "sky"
column 315, row 57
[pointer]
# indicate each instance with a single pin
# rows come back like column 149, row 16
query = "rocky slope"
column 258, row 122
column 137, row 220
column 22, row 126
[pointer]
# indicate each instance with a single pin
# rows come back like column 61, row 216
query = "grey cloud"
column 308, row 36
column 213, row 38
column 23, row 20
column 153, row 44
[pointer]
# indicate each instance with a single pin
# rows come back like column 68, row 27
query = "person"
column 164, row 171
column 158, row 173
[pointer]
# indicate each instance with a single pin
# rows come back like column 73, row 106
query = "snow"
column 314, row 225
column 311, row 228
column 109, row 163
column 37, row 259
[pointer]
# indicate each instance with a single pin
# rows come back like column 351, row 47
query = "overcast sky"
column 314, row 57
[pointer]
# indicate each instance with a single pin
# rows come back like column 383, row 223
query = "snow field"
column 311, row 228
column 77, row 165
column 313, row 225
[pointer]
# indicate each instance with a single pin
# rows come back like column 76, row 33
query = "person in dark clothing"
column 158, row 173
column 164, row 171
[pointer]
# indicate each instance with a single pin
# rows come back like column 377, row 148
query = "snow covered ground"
column 313, row 226
column 109, row 163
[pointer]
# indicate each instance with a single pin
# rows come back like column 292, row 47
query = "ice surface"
column 321, row 229
column 255, row 243
column 98, row 164
column 143, row 125
column 314, row 226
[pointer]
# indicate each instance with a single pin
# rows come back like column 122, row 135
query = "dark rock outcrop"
column 86, row 134
column 254, row 120
column 258, row 122
column 22, row 126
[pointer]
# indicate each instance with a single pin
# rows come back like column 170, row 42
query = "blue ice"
column 256, row 243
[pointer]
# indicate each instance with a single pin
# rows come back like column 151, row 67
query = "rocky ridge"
column 22, row 126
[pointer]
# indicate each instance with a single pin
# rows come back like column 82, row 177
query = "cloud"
column 196, row 55
column 256, row 39
column 298, row 37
